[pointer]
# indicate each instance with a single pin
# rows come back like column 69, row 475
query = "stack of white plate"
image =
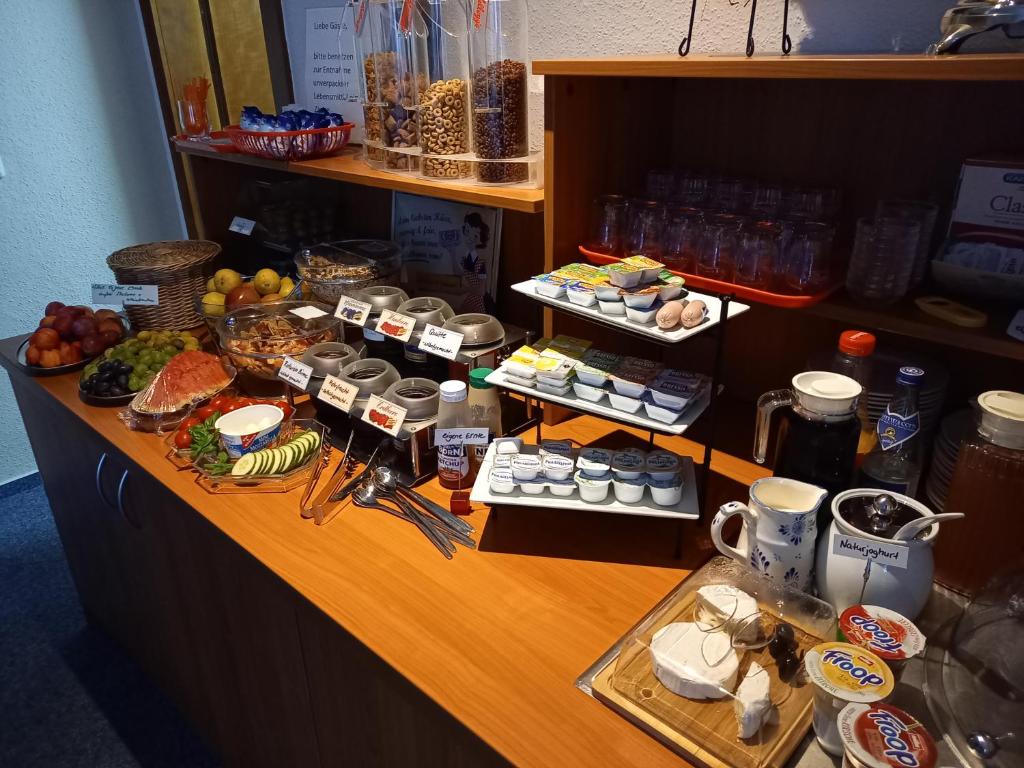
column 885, row 366
column 952, row 431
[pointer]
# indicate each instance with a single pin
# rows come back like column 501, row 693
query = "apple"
column 243, row 294
column 84, row 326
column 114, row 326
column 45, row 338
column 110, row 337
column 53, row 307
column 93, row 344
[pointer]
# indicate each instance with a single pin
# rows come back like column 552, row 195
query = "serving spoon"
column 386, row 479
column 909, row 530
column 366, row 496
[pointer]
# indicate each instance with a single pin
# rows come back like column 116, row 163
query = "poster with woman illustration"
column 449, row 250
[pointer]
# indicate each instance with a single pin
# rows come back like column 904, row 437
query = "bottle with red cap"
column 853, row 359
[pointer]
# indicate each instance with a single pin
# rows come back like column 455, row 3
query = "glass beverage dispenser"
column 444, row 106
column 498, row 38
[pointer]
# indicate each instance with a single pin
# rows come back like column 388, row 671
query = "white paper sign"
column 353, row 311
column 330, row 76
column 308, row 312
column 242, row 226
column 127, row 295
column 295, row 373
column 880, row 552
column 384, row 415
column 440, row 342
column 462, row 436
column 1016, row 328
column 396, row 326
column 338, row 393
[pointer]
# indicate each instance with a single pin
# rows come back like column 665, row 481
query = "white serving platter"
column 604, row 410
column 645, row 330
column 686, row 509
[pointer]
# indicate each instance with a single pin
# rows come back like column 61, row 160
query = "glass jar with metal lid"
column 332, row 270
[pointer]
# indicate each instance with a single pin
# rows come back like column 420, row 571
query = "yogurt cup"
column 590, row 376
column 843, row 674
column 562, row 487
column 661, row 465
column 611, row 307
column 556, row 467
column 593, row 488
column 629, row 491
column 624, row 403
column 890, row 636
column 249, row 429
column 666, row 492
column 556, row 447
column 501, row 481
column 587, row 392
column 525, row 467
column 594, row 461
column 883, row 736
column 533, row 487
column 507, row 445
column 607, row 292
column 502, row 461
column 627, row 466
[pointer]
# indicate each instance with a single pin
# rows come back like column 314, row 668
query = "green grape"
column 134, row 383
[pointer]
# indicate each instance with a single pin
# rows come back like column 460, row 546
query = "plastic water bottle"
column 882, row 262
column 853, row 359
column 895, row 463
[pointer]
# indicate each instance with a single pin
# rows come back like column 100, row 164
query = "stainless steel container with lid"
column 427, row 309
column 332, row 270
column 380, row 297
column 329, row 358
column 476, row 329
column 418, row 396
column 371, row 376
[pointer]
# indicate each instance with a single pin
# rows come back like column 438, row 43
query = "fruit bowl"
column 129, row 366
column 68, row 338
column 38, row 370
column 212, row 305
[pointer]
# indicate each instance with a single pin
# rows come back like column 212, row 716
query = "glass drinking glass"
column 192, row 118
column 608, row 224
column 660, row 184
column 646, row 221
column 804, row 204
column 923, row 213
column 692, row 189
column 882, row 261
column 766, row 200
column 682, row 238
column 757, row 254
column 807, row 267
column 727, row 194
column 716, row 256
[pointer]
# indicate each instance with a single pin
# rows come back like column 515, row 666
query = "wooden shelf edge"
column 349, row 169
column 993, row 67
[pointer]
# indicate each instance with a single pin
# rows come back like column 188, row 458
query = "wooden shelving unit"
column 349, row 168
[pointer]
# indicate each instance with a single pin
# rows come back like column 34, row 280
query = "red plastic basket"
column 291, row 145
column 786, row 301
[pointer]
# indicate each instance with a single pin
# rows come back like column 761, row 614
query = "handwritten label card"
column 126, row 295
column 353, row 311
column 308, row 312
column 880, row 552
column 384, row 415
column 338, row 393
column 440, row 342
column 241, row 226
column 295, row 373
column 395, row 325
column 462, row 436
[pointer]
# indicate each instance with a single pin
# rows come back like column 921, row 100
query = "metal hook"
column 787, row 44
column 684, row 46
column 750, row 29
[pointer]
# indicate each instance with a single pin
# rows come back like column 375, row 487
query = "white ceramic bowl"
column 611, row 307
column 623, row 403
column 593, row 489
column 249, row 429
column 501, row 481
column 587, row 392
column 628, row 491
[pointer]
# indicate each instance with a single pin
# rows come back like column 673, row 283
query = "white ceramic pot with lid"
column 859, row 562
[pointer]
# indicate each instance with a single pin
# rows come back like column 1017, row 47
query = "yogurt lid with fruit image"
column 885, row 633
column 882, row 736
column 849, row 673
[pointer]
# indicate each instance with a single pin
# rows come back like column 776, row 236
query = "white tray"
column 648, row 330
column 686, row 509
column 639, row 419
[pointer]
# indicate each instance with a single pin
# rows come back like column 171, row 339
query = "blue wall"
column 86, row 159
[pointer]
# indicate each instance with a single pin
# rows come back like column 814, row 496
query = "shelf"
column 906, row 319
column 622, row 323
column 638, row 419
column 349, row 168
column 981, row 67
column 686, row 509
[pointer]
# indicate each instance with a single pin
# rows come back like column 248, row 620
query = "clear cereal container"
column 375, row 50
column 401, row 97
column 498, row 40
column 444, row 106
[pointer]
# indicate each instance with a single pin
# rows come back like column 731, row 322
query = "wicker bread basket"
column 177, row 268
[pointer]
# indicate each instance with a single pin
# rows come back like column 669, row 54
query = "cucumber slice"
column 244, row 465
column 279, row 461
column 261, row 462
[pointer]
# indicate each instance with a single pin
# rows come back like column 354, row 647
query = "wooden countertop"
column 497, row 636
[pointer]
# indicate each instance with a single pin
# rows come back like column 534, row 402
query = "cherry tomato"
column 220, row 401
column 284, row 406
column 206, row 412
column 182, row 439
column 190, row 422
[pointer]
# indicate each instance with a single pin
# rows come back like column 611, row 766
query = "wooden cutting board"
column 705, row 731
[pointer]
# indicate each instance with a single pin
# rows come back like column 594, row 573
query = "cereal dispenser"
column 498, row 37
column 443, row 112
column 401, row 97
column 376, row 51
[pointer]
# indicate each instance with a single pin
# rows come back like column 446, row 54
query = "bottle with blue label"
column 895, row 463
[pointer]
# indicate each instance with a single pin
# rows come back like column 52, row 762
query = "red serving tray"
column 784, row 300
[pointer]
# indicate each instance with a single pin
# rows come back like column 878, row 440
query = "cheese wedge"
column 693, row 663
column 752, row 701
column 720, row 606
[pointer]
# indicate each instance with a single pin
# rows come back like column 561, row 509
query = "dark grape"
column 122, row 380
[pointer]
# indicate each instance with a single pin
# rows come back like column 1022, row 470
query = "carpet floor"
column 69, row 696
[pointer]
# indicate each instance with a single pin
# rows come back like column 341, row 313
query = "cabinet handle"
column 99, row 481
column 120, row 500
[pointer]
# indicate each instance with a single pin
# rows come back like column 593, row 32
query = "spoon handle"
column 445, row 550
column 423, row 523
column 454, row 521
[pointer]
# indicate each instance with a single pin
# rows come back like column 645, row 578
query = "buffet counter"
column 354, row 642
